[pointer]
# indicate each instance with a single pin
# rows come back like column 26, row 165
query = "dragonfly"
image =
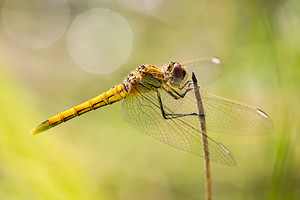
column 159, row 101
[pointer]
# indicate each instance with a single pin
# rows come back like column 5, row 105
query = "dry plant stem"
column 201, row 117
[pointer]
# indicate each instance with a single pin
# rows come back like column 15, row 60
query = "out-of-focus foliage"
column 99, row 156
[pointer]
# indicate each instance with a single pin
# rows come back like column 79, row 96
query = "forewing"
column 231, row 117
column 226, row 116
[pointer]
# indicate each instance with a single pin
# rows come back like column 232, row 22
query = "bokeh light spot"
column 100, row 40
column 35, row 23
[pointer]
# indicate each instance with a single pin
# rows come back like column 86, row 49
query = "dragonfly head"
column 177, row 74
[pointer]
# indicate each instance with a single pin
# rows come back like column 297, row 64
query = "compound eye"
column 177, row 71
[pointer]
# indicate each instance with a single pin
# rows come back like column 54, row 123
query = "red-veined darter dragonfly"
column 160, row 102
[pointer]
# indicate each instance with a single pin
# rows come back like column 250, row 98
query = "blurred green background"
column 100, row 156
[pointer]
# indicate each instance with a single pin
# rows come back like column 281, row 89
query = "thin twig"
column 201, row 117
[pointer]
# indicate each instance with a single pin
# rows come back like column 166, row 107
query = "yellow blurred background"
column 57, row 54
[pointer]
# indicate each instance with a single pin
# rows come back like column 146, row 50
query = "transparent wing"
column 231, row 117
column 205, row 69
column 143, row 112
column 224, row 115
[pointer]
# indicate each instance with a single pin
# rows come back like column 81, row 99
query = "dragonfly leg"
column 177, row 95
column 167, row 115
column 189, row 88
column 171, row 92
column 189, row 82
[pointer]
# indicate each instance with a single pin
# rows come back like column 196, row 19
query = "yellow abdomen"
column 115, row 94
